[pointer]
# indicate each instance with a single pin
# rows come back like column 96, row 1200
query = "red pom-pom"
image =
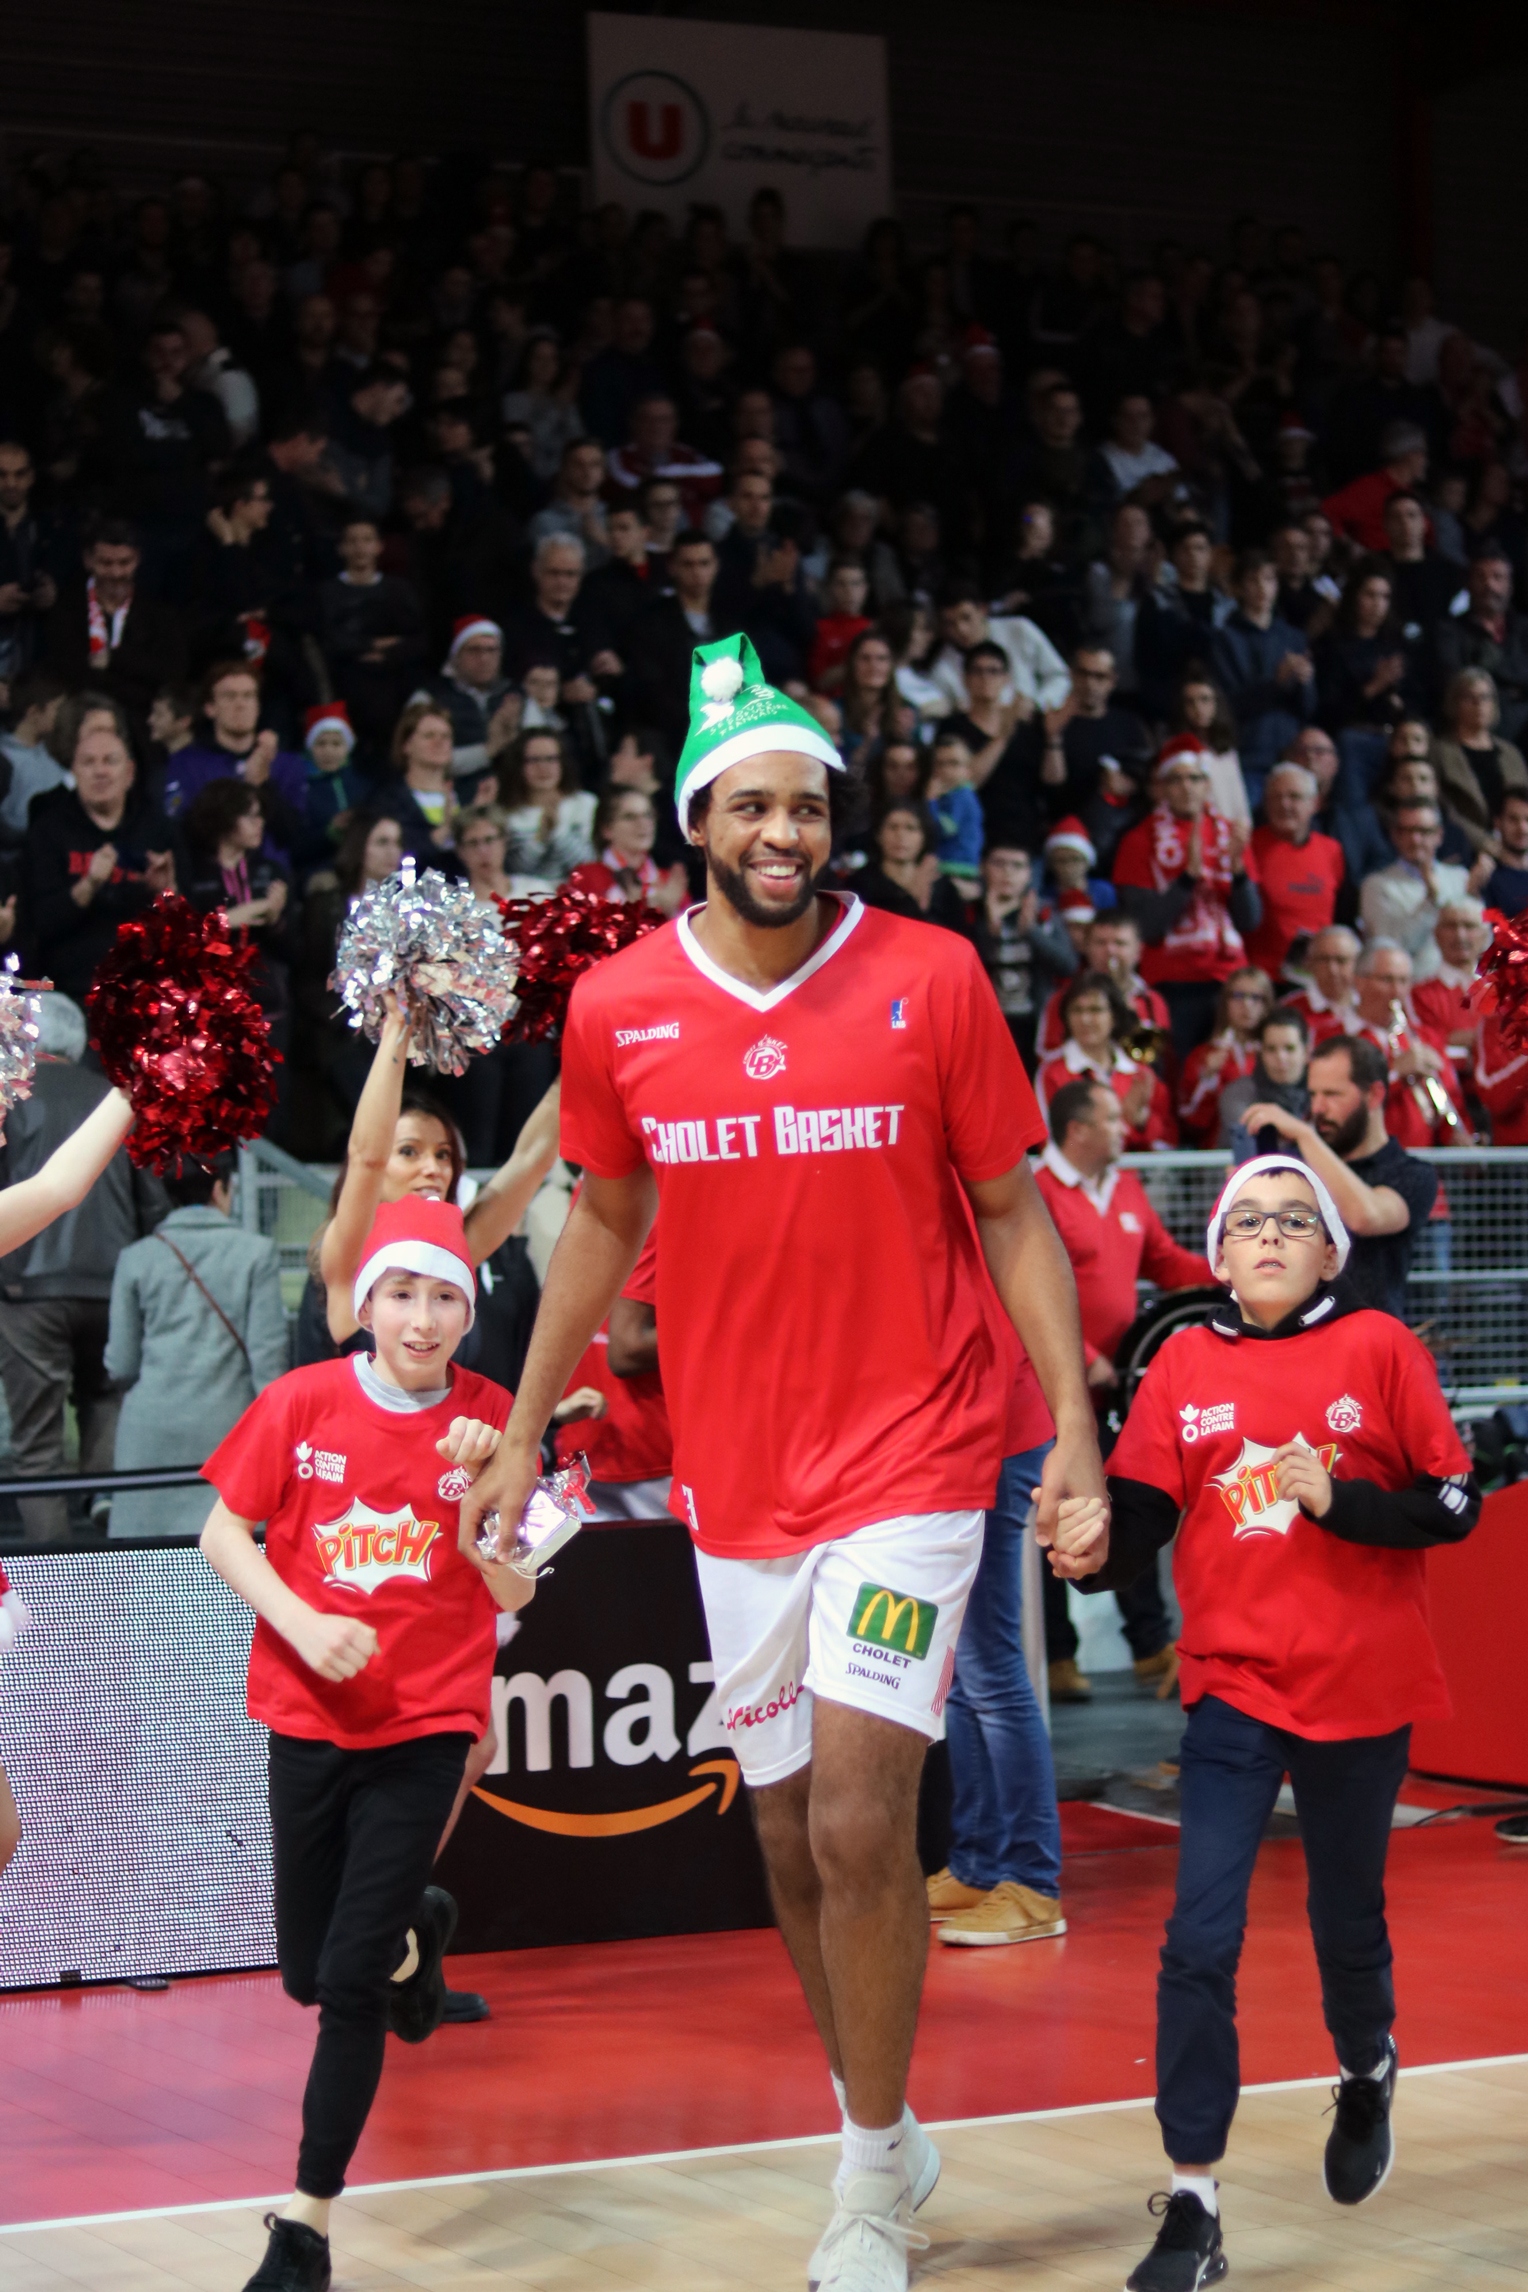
column 181, row 1033
column 555, row 940
column 1501, row 980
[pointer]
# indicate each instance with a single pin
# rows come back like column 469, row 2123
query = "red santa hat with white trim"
column 1069, row 835
column 1180, row 744
column 417, row 1235
column 329, row 716
column 469, row 626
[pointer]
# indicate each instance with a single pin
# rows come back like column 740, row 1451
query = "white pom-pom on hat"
column 719, row 680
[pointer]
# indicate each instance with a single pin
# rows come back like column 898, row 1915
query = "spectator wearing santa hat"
column 474, row 692
column 1188, row 878
column 1070, row 859
column 336, row 784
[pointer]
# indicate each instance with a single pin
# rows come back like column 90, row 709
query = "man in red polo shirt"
column 1107, row 1225
column 1299, row 870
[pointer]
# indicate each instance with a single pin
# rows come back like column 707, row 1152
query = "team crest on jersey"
column 1250, row 1490
column 452, row 1486
column 764, row 1060
column 1196, row 1424
column 1345, row 1415
column 364, row 1549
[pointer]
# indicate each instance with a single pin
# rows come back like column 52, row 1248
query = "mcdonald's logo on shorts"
column 893, row 1620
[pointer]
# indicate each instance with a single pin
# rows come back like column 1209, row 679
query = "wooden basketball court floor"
column 1050, row 2203
column 657, row 2114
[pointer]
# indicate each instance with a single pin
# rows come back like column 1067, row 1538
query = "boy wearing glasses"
column 1300, row 1447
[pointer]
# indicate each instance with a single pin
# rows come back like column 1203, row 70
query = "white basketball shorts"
column 869, row 1619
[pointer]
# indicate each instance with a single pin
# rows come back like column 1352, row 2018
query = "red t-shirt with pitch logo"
column 833, row 1350
column 360, row 1520
column 1280, row 1617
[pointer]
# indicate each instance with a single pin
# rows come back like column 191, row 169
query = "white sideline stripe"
column 1133, row 1814
column 723, row 2149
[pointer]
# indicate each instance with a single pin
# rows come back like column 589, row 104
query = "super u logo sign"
column 654, row 128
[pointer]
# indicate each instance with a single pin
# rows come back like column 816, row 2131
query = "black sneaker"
column 416, row 2008
column 296, row 2259
column 465, row 2005
column 1514, row 1829
column 1188, row 2250
column 1360, row 2148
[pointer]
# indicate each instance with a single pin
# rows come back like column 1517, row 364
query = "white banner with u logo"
column 684, row 114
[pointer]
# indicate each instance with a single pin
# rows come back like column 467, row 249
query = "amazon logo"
column 532, row 1712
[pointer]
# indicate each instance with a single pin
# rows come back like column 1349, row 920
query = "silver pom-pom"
column 441, row 952
column 20, row 1027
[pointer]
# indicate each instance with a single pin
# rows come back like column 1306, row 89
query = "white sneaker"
column 870, row 2236
column 920, row 2160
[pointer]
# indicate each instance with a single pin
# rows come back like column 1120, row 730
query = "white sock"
column 873, row 2150
column 1377, row 2074
column 1201, row 2185
column 840, row 2095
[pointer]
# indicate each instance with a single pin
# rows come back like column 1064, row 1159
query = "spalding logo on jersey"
column 765, row 1060
column 366, row 1548
column 1251, row 1494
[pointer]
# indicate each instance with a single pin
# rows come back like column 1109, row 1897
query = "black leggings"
column 354, row 1835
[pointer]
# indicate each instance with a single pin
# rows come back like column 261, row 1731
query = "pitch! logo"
column 765, row 1060
column 365, row 1548
column 1250, row 1489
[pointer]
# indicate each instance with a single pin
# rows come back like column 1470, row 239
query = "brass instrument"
column 1146, row 1044
column 1432, row 1100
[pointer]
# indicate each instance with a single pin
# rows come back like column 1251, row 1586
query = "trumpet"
column 1146, row 1044
column 1432, row 1100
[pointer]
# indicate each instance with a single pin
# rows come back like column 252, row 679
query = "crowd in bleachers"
column 1170, row 616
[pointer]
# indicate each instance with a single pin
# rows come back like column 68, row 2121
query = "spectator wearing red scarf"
column 1186, row 876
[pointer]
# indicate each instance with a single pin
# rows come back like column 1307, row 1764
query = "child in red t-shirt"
column 371, row 1662
column 1301, row 1450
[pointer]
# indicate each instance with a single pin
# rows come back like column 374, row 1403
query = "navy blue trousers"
column 1345, row 1794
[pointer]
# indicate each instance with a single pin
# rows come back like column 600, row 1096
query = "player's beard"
column 732, row 882
column 1342, row 1137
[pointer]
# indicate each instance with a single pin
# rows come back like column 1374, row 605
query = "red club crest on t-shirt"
column 764, row 1060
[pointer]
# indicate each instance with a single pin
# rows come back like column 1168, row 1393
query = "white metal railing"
column 1468, row 1290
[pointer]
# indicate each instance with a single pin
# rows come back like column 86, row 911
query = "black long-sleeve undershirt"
column 1430, row 1511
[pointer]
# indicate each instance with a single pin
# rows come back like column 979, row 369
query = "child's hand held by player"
column 1303, row 1476
column 1080, row 1538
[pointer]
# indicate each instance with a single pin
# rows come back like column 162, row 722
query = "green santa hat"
column 734, row 714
